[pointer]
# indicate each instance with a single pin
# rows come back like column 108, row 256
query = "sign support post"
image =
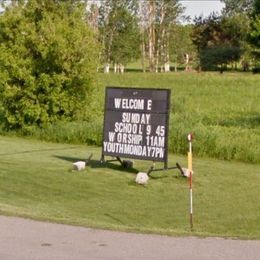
column 136, row 125
column 190, row 178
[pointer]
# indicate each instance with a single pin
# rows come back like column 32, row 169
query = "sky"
column 204, row 7
column 198, row 7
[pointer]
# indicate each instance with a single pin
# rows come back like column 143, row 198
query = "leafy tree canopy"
column 256, row 7
column 237, row 6
column 218, row 40
column 48, row 60
column 254, row 35
column 119, row 31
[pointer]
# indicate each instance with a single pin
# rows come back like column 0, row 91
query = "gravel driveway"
column 28, row 239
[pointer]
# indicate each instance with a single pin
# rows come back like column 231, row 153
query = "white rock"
column 79, row 166
column 142, row 178
column 187, row 172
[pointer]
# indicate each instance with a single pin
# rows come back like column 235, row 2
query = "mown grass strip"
column 36, row 181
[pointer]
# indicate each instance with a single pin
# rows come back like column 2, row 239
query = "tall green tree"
column 157, row 18
column 254, row 35
column 48, row 61
column 238, row 12
column 181, row 45
column 167, row 12
column 256, row 7
column 218, row 41
column 119, row 32
column 237, row 6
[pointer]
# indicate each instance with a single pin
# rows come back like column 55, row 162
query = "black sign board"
column 136, row 123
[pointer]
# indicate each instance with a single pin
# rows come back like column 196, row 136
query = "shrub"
column 48, row 60
column 256, row 70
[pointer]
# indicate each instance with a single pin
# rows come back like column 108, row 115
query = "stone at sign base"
column 142, row 178
column 187, row 172
column 79, row 166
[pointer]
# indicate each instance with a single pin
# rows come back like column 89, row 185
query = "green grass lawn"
column 36, row 181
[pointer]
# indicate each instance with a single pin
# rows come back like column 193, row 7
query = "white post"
column 190, row 178
column 106, row 68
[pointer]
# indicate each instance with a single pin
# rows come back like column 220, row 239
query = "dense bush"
column 48, row 60
column 256, row 70
column 219, row 57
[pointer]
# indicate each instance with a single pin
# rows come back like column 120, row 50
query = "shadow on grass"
column 250, row 121
column 115, row 165
column 164, row 174
column 38, row 151
column 117, row 220
column 98, row 164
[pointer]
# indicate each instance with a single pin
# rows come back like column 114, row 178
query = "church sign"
column 136, row 123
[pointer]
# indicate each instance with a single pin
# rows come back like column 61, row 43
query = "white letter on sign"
column 149, row 104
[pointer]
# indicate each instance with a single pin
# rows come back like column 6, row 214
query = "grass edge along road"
column 36, row 182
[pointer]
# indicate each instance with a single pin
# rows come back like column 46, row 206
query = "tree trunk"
column 162, row 38
column 106, row 68
column 176, row 63
column 93, row 17
column 121, row 68
column 167, row 61
column 143, row 53
column 167, row 53
column 151, row 36
column 144, row 27
column 187, row 60
column 115, row 68
column 157, row 60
